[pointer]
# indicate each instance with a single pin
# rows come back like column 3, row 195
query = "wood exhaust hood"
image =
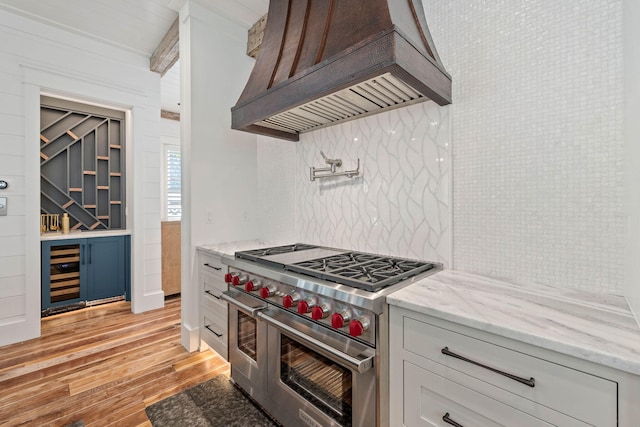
column 322, row 62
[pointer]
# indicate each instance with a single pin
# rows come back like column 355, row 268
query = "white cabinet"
column 213, row 319
column 444, row 374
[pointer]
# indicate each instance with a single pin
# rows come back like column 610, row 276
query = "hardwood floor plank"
column 101, row 364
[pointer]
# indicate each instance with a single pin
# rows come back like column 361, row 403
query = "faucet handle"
column 332, row 162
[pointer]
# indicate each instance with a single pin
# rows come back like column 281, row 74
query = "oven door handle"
column 244, row 307
column 357, row 364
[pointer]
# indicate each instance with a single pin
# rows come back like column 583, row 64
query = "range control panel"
column 336, row 315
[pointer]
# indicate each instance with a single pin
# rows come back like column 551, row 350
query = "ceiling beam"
column 167, row 52
column 165, row 114
column 256, row 33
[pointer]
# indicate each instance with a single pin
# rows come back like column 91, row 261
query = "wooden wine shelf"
column 59, row 252
column 64, row 260
column 66, row 283
column 71, row 292
column 61, row 276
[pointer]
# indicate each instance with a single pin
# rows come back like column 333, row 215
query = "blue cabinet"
column 89, row 269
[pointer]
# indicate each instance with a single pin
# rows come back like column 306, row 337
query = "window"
column 172, row 189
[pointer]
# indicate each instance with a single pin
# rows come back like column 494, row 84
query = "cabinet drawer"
column 577, row 394
column 212, row 265
column 214, row 331
column 212, row 291
column 429, row 397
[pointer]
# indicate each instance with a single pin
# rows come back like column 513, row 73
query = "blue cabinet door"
column 105, row 258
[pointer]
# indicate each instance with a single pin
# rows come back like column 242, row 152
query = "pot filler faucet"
column 331, row 170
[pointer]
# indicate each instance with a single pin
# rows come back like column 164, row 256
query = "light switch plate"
column 3, row 206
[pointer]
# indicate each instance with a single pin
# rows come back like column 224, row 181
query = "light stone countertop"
column 84, row 234
column 228, row 249
column 596, row 327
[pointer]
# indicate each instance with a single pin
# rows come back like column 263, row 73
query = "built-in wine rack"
column 82, row 164
column 64, row 273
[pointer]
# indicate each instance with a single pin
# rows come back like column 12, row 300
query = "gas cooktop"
column 361, row 270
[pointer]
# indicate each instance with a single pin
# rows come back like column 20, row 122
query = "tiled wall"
column 400, row 204
column 276, row 207
column 537, row 146
column 534, row 136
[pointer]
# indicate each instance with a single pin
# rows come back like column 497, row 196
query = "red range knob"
column 358, row 326
column 289, row 301
column 228, row 278
column 320, row 311
column 238, row 280
column 267, row 291
column 317, row 313
column 252, row 285
column 303, row 307
column 339, row 319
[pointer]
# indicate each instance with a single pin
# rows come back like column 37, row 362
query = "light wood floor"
column 102, row 365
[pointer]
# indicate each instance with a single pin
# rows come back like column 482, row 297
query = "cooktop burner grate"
column 258, row 254
column 365, row 271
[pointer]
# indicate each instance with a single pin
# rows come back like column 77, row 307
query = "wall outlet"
column 209, row 216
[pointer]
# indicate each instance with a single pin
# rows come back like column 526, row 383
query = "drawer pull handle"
column 212, row 294
column 214, row 332
column 211, row 266
column 448, row 420
column 531, row 382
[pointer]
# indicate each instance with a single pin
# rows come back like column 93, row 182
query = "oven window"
column 247, row 335
column 320, row 381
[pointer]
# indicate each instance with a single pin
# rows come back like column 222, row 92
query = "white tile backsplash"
column 399, row 204
column 537, row 146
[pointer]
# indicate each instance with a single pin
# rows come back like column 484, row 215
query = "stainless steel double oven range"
column 308, row 331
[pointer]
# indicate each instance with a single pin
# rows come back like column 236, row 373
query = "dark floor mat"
column 215, row 403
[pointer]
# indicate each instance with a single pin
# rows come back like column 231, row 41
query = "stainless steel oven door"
column 247, row 344
column 318, row 377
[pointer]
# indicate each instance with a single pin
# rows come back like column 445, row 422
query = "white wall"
column 36, row 58
column 537, row 138
column 632, row 140
column 277, row 183
column 221, row 176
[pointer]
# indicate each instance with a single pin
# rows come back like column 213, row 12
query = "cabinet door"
column 105, row 260
column 62, row 273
